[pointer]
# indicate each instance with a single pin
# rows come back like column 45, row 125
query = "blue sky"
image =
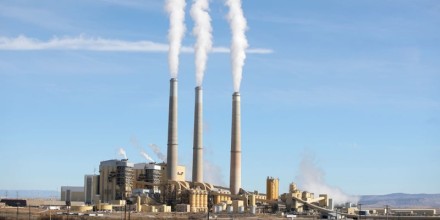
column 354, row 83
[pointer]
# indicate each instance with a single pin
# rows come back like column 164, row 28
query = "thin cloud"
column 82, row 42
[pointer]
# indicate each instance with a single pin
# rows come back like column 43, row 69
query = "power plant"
column 162, row 187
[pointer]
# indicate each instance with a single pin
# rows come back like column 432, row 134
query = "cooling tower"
column 235, row 178
column 172, row 132
column 197, row 172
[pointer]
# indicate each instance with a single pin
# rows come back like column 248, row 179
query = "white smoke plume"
column 122, row 153
column 203, row 32
column 238, row 25
column 176, row 11
column 144, row 154
column 311, row 179
column 157, row 151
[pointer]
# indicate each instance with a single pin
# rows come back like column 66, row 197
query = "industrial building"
column 161, row 187
column 272, row 188
column 91, row 188
column 147, row 176
column 153, row 185
column 115, row 180
column 72, row 193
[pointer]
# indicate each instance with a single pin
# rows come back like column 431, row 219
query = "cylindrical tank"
column 240, row 209
column 199, row 198
column 230, row 209
column 253, row 210
column 205, row 200
column 196, row 200
column 224, row 206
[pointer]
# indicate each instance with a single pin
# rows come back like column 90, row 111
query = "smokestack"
column 197, row 172
column 172, row 132
column 235, row 178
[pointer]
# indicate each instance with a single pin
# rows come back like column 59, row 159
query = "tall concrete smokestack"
column 197, row 172
column 172, row 132
column 235, row 178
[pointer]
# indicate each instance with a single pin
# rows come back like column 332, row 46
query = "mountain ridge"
column 401, row 200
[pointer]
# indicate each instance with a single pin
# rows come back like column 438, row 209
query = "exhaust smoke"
column 238, row 25
column 312, row 178
column 157, row 152
column 144, row 154
column 176, row 11
column 203, row 32
column 122, row 153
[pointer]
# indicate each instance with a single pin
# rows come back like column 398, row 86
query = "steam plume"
column 121, row 152
column 176, row 11
column 238, row 26
column 145, row 155
column 157, row 151
column 203, row 32
column 311, row 178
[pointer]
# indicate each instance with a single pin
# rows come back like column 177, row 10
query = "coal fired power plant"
column 162, row 187
column 124, row 186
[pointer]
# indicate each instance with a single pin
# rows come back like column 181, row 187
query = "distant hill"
column 401, row 200
column 30, row 194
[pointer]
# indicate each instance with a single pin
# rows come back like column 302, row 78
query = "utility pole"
column 209, row 202
column 29, row 212
column 359, row 212
column 122, row 214
column 17, row 203
column 125, row 211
